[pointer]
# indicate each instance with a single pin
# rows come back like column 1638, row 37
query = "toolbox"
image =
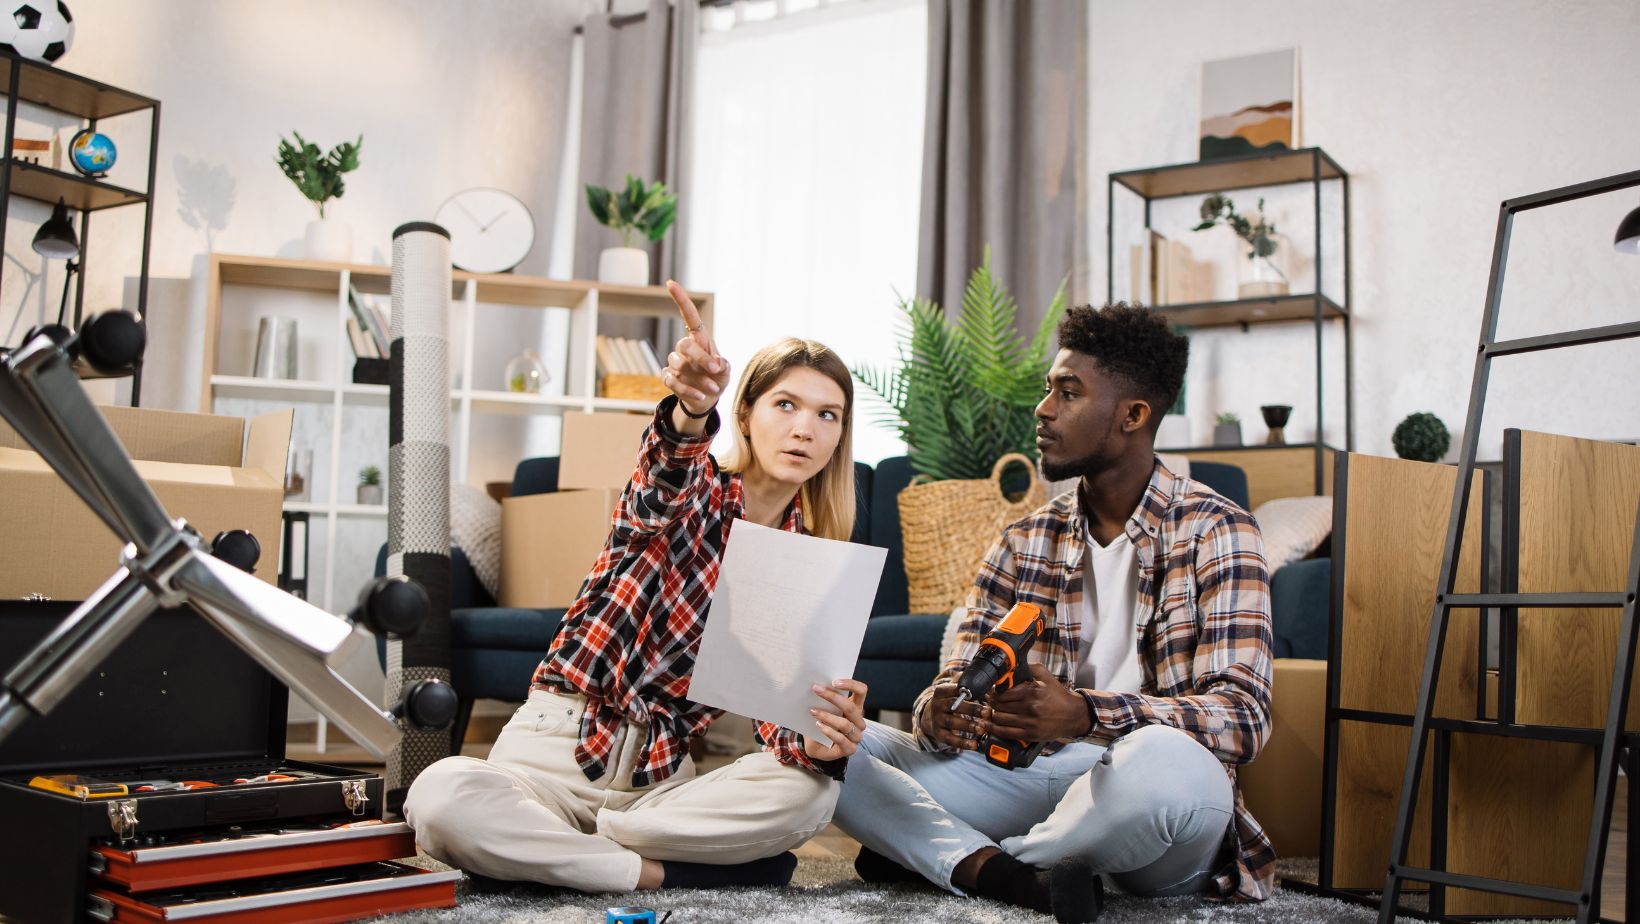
column 184, row 806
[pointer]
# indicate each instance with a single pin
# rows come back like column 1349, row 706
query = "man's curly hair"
column 1133, row 344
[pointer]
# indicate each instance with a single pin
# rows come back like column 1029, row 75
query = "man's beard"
column 1073, row 468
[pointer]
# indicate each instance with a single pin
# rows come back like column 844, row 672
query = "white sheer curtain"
column 808, row 162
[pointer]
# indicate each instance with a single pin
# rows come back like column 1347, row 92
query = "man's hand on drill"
column 960, row 729
column 1041, row 710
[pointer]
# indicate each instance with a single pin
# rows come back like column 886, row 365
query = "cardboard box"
column 600, row 450
column 549, row 543
column 217, row 473
column 1282, row 787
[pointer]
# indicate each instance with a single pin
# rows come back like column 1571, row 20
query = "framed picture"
column 1250, row 104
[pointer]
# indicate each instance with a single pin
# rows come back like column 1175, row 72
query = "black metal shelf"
column 39, row 84
column 1230, row 174
column 44, row 85
column 43, row 184
column 1248, row 311
column 1312, row 166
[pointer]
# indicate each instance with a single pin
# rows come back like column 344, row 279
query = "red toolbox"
column 179, row 705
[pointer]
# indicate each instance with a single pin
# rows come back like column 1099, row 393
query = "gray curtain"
column 638, row 75
column 1001, row 151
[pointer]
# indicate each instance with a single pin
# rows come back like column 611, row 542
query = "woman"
column 590, row 785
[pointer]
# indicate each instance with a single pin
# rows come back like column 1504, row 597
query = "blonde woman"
column 590, row 785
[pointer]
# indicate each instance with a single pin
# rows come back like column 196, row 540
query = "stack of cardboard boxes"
column 549, row 542
column 218, row 473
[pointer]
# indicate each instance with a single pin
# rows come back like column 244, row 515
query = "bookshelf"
column 240, row 289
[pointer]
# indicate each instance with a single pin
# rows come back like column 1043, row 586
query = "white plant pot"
column 328, row 240
column 624, row 266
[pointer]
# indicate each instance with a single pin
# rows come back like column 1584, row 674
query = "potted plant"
column 370, row 486
column 648, row 210
column 318, row 175
column 1227, row 430
column 962, row 398
column 1421, row 437
column 1263, row 278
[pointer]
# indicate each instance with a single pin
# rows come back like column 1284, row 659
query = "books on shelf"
column 626, row 356
column 363, row 346
column 1165, row 272
column 372, row 320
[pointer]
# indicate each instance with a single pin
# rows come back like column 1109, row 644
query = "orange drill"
column 999, row 664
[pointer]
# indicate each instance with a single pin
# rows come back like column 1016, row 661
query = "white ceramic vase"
column 624, row 266
column 329, row 241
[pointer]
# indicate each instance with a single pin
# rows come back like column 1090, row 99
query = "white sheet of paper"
column 789, row 611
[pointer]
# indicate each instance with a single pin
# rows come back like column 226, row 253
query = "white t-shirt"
column 1110, row 642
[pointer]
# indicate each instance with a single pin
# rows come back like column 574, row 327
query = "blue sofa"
column 495, row 649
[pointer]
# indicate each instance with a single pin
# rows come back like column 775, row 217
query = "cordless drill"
column 999, row 664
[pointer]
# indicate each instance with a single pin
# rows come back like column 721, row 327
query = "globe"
column 92, row 153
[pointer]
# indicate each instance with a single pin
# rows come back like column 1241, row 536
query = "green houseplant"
column 963, row 392
column 1421, row 437
column 318, row 176
column 1264, row 277
column 637, row 207
column 370, row 485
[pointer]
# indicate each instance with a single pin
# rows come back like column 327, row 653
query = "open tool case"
column 179, row 702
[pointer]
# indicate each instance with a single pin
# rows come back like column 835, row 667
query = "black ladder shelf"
column 1587, row 897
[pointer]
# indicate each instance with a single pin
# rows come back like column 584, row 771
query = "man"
column 1151, row 680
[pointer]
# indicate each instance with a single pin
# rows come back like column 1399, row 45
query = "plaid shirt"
column 1204, row 651
column 628, row 643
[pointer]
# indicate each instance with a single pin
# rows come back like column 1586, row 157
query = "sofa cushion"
column 1293, row 527
column 505, row 628
column 915, row 636
column 891, row 477
column 1300, row 601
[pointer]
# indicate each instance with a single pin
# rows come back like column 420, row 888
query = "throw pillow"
column 475, row 527
column 1293, row 527
column 948, row 641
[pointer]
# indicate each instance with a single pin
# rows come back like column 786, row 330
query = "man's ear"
column 1135, row 416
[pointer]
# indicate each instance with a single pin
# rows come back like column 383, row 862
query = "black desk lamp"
column 56, row 240
column 1628, row 233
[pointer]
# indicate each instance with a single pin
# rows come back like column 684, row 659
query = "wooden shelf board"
column 43, row 184
column 514, row 403
column 258, row 389
column 1229, row 174
column 1252, row 311
column 43, row 85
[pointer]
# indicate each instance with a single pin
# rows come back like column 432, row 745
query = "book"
column 630, row 363
column 367, row 321
column 606, row 356
column 363, row 347
column 649, row 358
column 382, row 318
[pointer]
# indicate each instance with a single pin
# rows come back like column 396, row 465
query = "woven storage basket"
column 633, row 387
column 947, row 528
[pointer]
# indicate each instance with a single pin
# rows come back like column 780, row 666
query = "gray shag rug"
column 827, row 891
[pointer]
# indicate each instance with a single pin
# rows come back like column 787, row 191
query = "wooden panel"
column 1371, row 761
column 1250, row 311
column 1521, row 809
column 1395, row 520
column 1228, row 174
column 1277, row 472
column 1577, row 506
column 1394, row 533
column 1518, row 810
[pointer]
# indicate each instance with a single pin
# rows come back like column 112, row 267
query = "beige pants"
column 529, row 813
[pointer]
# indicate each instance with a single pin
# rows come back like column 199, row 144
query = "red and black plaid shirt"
column 629, row 641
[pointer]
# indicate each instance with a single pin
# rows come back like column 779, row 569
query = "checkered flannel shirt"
column 629, row 641
column 1203, row 615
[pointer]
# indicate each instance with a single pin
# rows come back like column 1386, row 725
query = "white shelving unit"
column 240, row 290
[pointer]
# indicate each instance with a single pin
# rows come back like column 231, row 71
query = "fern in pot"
column 962, row 398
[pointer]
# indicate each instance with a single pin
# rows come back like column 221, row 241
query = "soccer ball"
column 38, row 29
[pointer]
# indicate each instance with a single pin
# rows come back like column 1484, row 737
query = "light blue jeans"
column 1150, row 811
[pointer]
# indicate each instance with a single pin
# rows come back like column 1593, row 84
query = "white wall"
column 1439, row 111
column 446, row 95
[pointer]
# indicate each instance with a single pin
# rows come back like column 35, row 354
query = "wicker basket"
column 949, row 525
column 632, row 387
